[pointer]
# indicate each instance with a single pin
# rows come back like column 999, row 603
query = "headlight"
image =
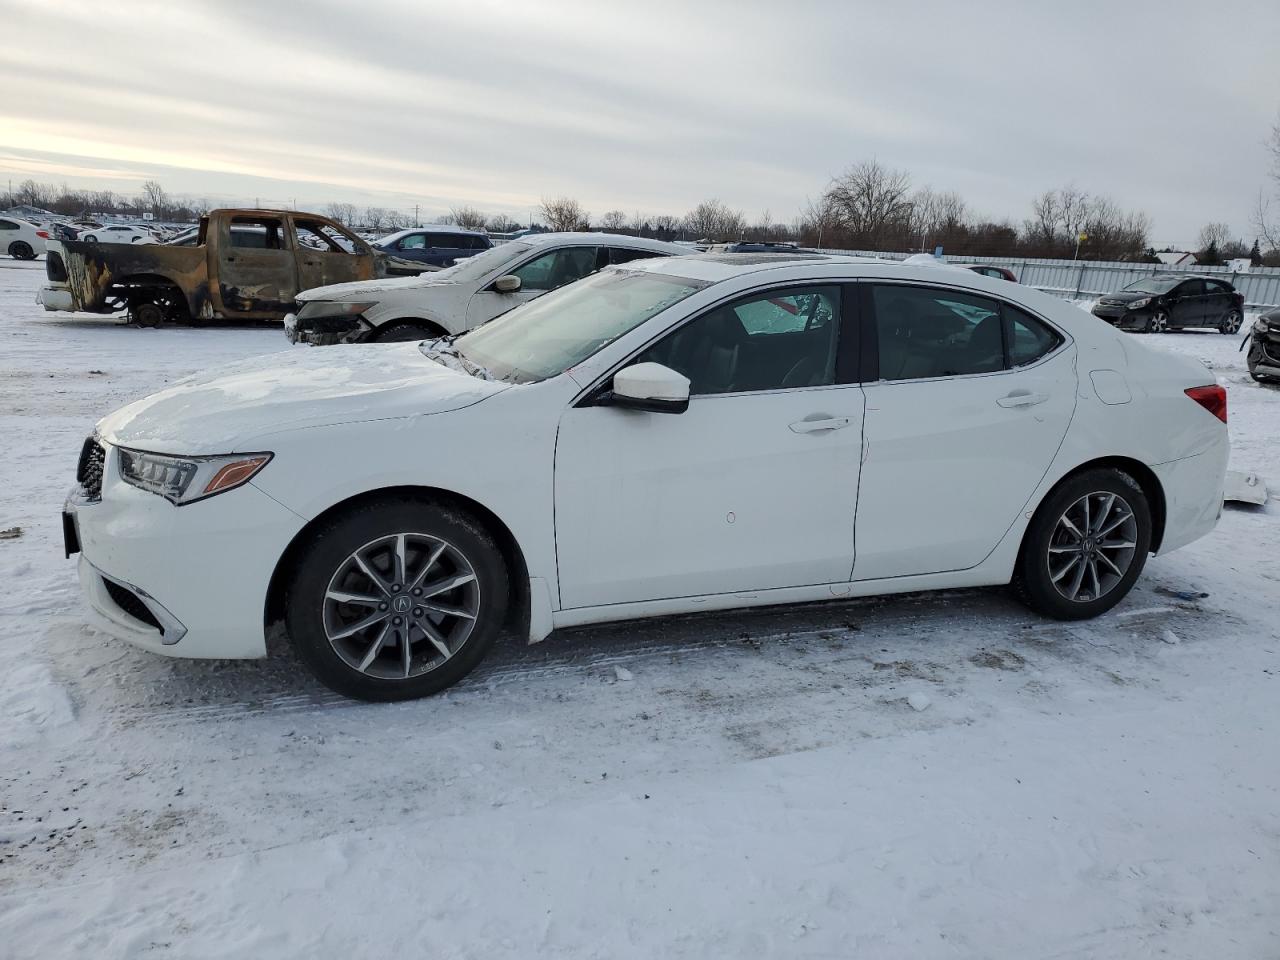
column 1262, row 326
column 333, row 308
column 1138, row 304
column 188, row 479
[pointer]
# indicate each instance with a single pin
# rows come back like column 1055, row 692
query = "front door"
column 257, row 273
column 1188, row 305
column 972, row 402
column 542, row 272
column 752, row 488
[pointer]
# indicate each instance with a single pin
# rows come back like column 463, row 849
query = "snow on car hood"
column 228, row 409
column 361, row 288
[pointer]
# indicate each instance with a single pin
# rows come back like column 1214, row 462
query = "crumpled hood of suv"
column 230, row 409
column 358, row 289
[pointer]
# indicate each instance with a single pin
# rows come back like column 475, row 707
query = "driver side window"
column 555, row 269
column 783, row 339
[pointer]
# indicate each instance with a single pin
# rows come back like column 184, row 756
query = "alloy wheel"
column 1159, row 322
column 1092, row 546
column 400, row 606
column 1231, row 323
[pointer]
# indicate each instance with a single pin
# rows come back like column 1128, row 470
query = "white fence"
column 1088, row 280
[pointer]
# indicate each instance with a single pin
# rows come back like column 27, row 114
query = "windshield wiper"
column 443, row 351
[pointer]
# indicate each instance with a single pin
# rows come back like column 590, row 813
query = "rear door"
column 1188, row 304
column 968, row 400
column 323, row 260
column 257, row 274
column 1217, row 300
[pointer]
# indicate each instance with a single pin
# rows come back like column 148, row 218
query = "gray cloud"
column 646, row 106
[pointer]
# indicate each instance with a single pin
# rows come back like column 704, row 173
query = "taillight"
column 42, row 234
column 1213, row 398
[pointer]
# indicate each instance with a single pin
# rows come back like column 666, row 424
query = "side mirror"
column 652, row 387
column 508, row 284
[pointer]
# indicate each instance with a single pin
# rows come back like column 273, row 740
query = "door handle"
column 1022, row 398
column 819, row 423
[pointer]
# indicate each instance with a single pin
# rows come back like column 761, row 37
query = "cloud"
column 644, row 106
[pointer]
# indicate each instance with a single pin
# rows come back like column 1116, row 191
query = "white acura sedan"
column 696, row 433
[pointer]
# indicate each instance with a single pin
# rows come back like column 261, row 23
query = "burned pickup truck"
column 242, row 264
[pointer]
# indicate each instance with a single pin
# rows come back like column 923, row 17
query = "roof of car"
column 612, row 239
column 436, row 228
column 714, row 267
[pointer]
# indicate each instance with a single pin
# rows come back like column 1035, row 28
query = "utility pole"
column 415, row 216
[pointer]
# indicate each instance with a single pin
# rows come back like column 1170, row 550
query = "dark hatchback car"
column 438, row 246
column 1157, row 304
column 1264, row 347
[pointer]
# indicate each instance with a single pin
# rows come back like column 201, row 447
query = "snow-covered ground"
column 928, row 776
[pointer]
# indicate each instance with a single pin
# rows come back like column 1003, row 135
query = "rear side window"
column 925, row 332
column 1028, row 339
column 1192, row 288
column 619, row 255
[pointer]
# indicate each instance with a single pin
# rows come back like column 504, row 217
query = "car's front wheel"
column 1085, row 547
column 396, row 599
column 404, row 331
column 1158, row 322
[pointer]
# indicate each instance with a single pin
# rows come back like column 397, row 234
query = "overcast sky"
column 645, row 107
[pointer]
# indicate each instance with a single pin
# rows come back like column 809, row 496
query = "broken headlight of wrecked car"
column 188, row 479
column 327, row 321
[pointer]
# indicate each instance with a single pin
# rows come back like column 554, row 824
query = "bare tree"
column 154, row 198
column 468, row 218
column 712, row 220
column 344, row 213
column 1214, row 235
column 1265, row 219
column 871, row 203
column 501, row 223
column 614, row 220
column 665, row 224
column 375, row 218
column 564, row 213
column 395, row 220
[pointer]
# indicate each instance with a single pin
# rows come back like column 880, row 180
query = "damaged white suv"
column 464, row 295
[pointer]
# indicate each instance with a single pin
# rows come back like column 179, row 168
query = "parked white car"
column 21, row 239
column 687, row 434
column 117, row 233
column 463, row 296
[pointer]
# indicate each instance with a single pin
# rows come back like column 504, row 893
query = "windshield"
column 473, row 268
column 549, row 335
column 1151, row 285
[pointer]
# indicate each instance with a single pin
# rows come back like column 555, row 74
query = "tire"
column 1053, row 590
column 21, row 250
column 1231, row 322
column 91, row 238
column 368, row 663
column 1158, row 322
column 147, row 315
column 404, row 331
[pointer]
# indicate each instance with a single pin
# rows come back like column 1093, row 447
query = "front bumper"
column 1264, row 354
column 187, row 581
column 325, row 331
column 1120, row 317
column 55, row 298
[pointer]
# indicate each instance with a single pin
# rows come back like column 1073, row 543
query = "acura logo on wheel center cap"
column 401, row 604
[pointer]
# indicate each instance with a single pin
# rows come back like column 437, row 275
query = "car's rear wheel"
column 21, row 250
column 1085, row 547
column 403, row 331
column 1231, row 322
column 1158, row 322
column 396, row 599
column 92, row 238
column 147, row 314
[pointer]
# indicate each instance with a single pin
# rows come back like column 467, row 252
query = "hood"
column 363, row 288
column 227, row 410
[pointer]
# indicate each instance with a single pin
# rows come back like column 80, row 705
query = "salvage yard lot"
column 924, row 776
